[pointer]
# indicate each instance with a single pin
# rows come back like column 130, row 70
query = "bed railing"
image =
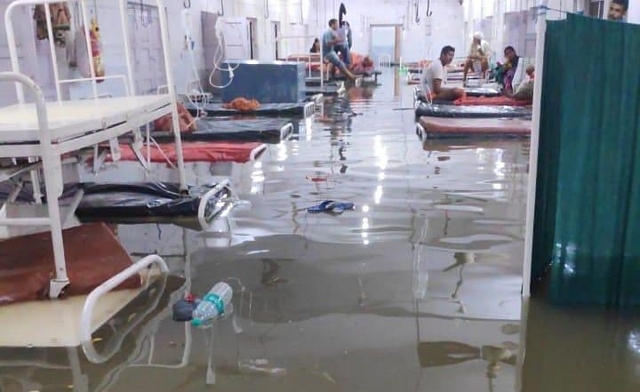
column 86, row 318
column 384, row 60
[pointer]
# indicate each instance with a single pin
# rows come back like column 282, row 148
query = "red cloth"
column 196, row 152
column 489, row 101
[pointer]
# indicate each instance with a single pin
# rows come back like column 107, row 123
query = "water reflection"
column 417, row 289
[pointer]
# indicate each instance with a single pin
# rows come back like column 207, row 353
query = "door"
column 383, row 44
column 253, row 38
column 146, row 48
column 596, row 8
column 275, row 31
column 235, row 35
column 397, row 43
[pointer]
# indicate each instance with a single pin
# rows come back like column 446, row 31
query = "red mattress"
column 93, row 255
column 490, row 101
column 199, row 152
column 475, row 126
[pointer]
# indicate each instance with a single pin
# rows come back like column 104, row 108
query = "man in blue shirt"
column 344, row 46
column 330, row 39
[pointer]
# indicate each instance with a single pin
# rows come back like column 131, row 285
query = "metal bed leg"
column 178, row 140
column 421, row 132
column 53, row 181
column 35, row 181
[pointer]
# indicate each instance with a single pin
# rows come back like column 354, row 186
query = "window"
column 596, row 8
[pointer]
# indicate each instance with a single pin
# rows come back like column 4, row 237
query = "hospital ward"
column 320, row 195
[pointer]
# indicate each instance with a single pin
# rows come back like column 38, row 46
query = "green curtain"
column 587, row 223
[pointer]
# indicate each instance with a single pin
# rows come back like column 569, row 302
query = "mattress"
column 453, row 111
column 237, row 152
column 93, row 255
column 327, row 89
column 269, row 130
column 474, row 92
column 490, row 101
column 482, row 92
column 133, row 201
column 435, row 127
column 271, row 109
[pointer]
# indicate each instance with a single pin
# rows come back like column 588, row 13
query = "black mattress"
column 482, row 92
column 133, row 202
column 327, row 89
column 453, row 111
column 361, row 75
column 266, row 109
column 123, row 202
column 470, row 91
column 265, row 130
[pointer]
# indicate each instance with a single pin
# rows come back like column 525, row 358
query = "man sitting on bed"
column 344, row 46
column 434, row 74
column 478, row 58
column 329, row 41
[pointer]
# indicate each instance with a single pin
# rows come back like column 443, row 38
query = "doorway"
column 146, row 46
column 275, row 31
column 386, row 44
column 253, row 38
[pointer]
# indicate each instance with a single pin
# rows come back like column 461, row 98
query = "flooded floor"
column 416, row 289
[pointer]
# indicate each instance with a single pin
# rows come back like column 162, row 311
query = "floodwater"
column 416, row 289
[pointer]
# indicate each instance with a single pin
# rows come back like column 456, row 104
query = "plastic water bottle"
column 213, row 304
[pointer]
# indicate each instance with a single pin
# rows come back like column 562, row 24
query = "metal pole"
column 541, row 28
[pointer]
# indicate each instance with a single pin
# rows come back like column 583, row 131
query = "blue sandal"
column 331, row 206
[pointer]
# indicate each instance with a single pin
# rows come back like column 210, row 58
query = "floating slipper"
column 331, row 206
column 339, row 208
column 322, row 207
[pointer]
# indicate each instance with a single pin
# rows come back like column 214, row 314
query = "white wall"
column 420, row 40
column 503, row 34
column 633, row 16
column 287, row 12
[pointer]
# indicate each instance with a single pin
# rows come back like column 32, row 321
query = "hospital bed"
column 37, row 137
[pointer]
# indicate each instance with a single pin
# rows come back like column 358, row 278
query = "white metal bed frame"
column 307, row 58
column 47, row 130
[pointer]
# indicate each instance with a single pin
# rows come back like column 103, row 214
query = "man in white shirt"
column 478, row 58
column 434, row 74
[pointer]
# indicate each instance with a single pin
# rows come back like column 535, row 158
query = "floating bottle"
column 213, row 304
